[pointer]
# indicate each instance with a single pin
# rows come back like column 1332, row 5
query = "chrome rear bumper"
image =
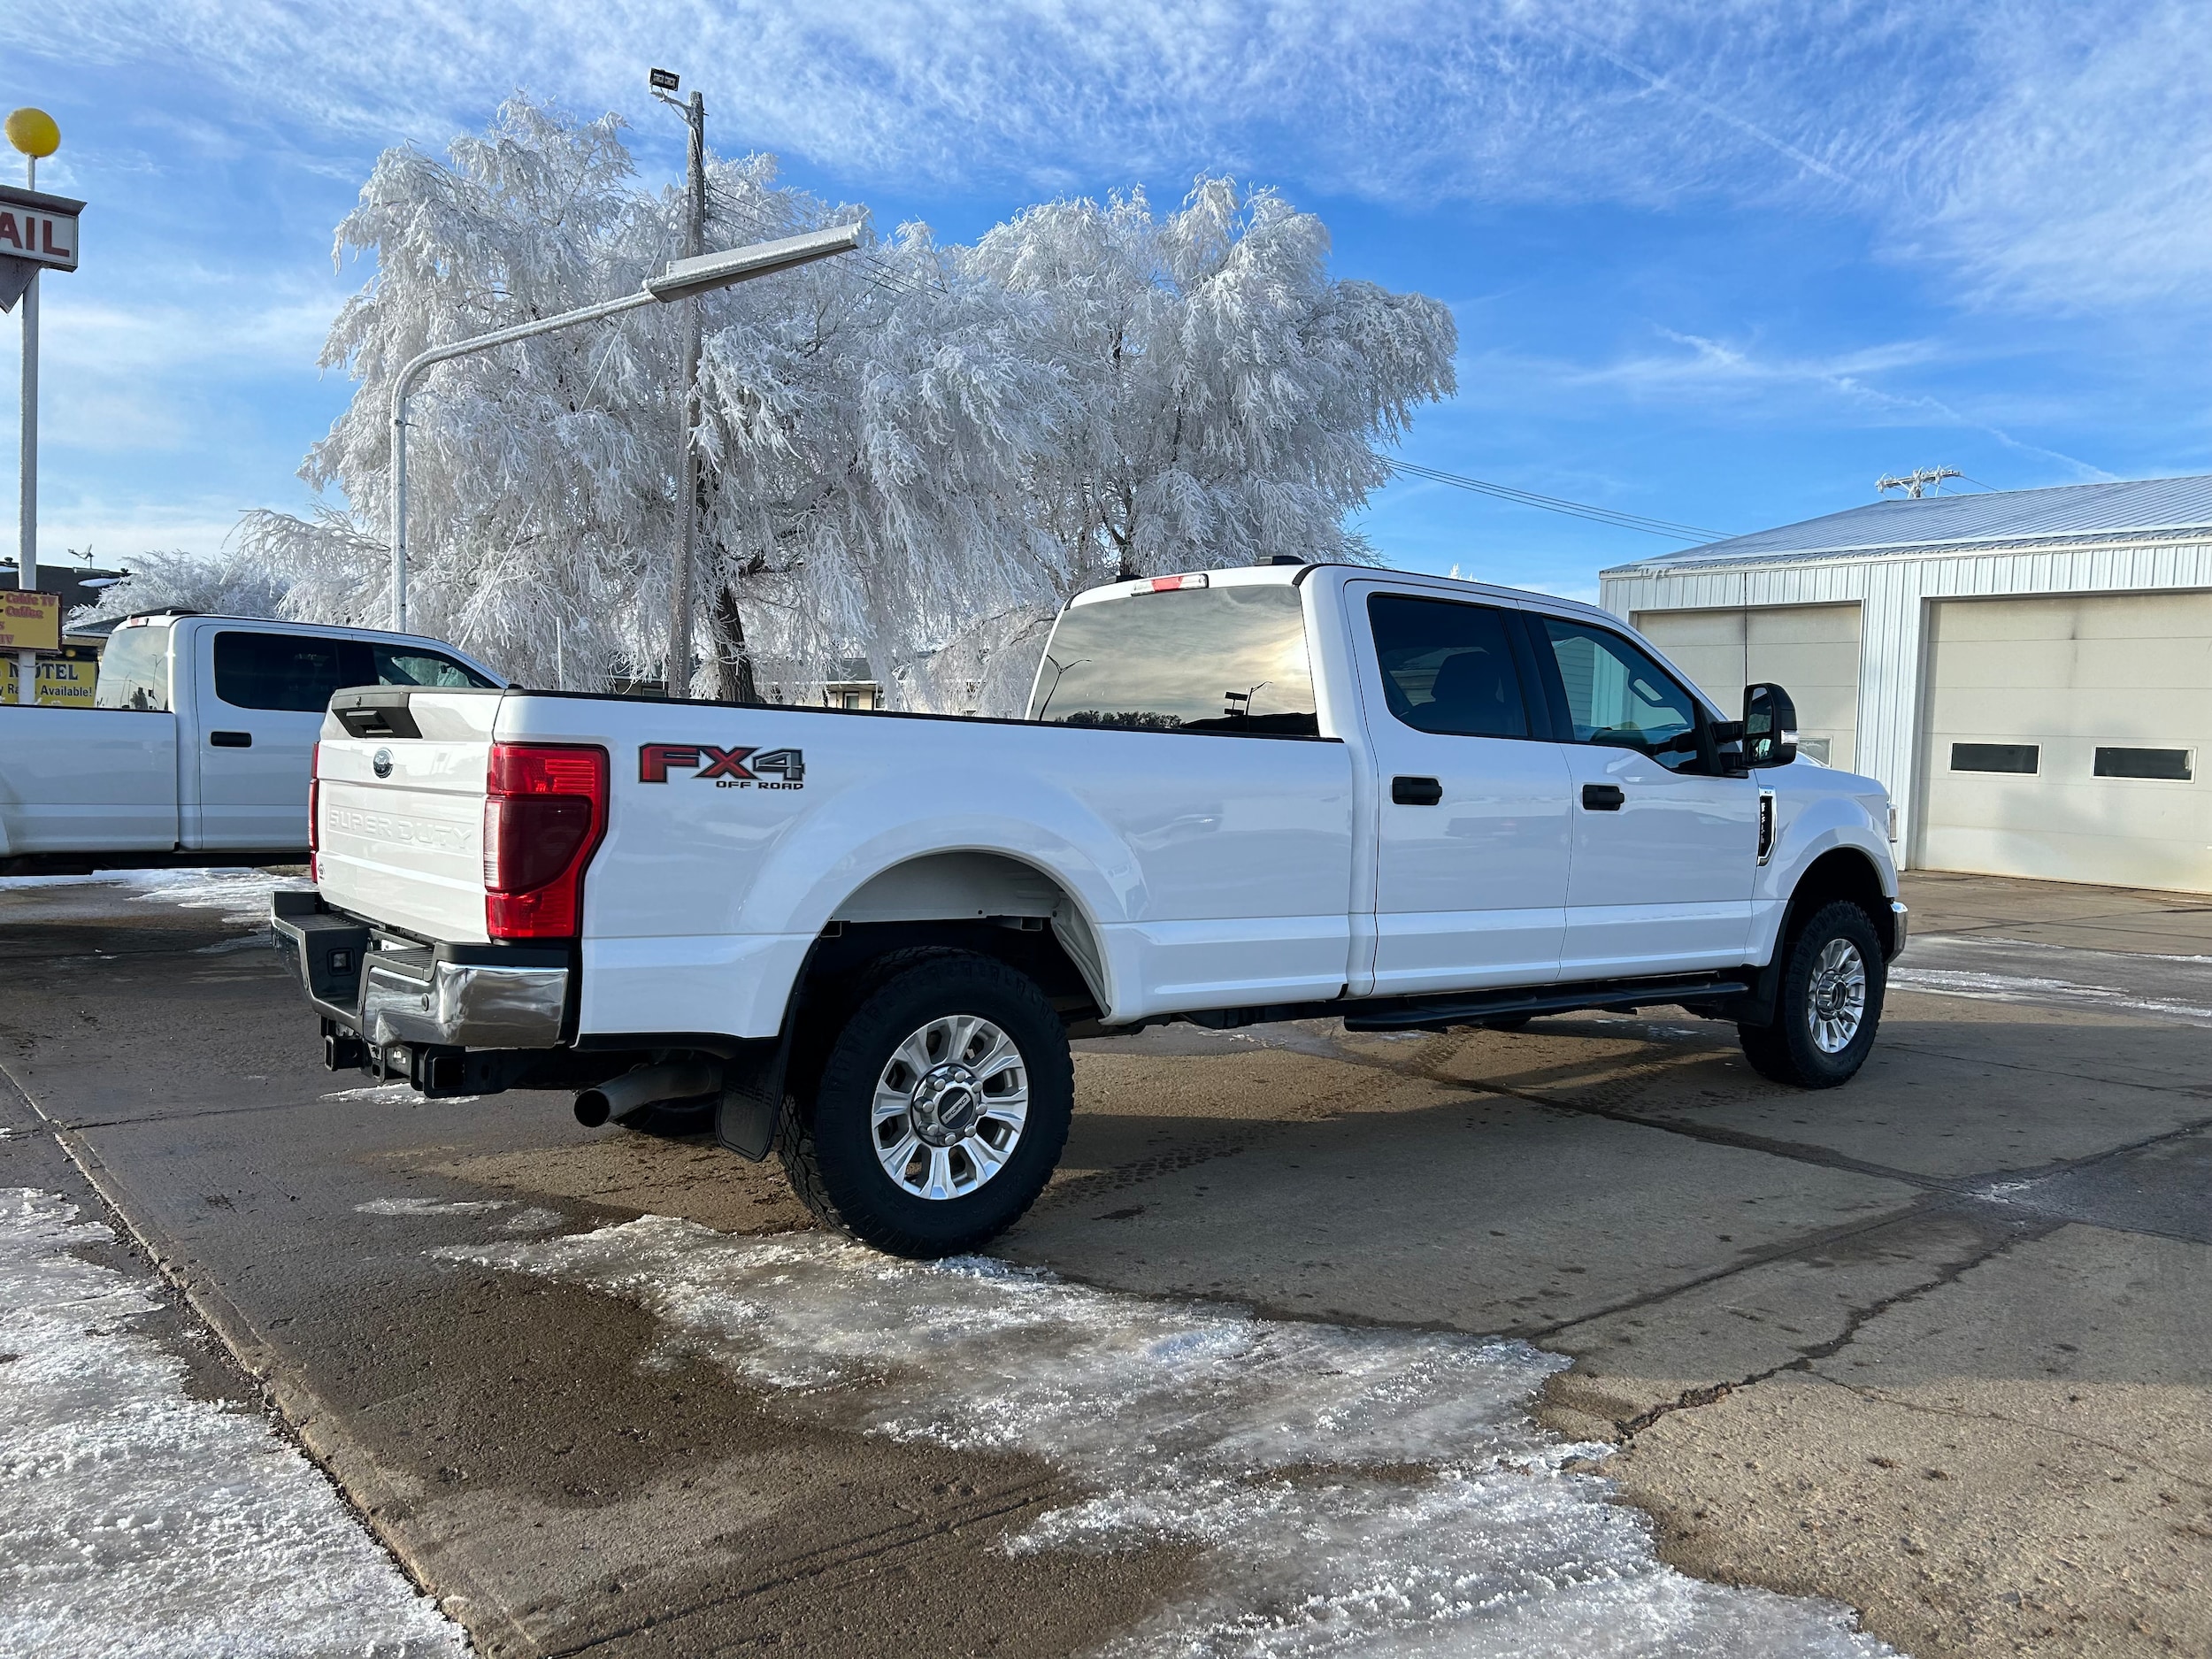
column 445, row 995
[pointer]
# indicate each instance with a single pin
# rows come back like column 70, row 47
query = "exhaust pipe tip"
column 591, row 1108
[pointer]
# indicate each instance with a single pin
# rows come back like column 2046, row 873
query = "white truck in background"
column 1239, row 796
column 198, row 747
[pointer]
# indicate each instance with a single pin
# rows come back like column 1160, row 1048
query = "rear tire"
column 942, row 1109
column 1829, row 1005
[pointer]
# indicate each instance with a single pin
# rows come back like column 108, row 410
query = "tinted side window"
column 279, row 671
column 134, row 671
column 1446, row 667
column 412, row 665
column 1617, row 697
column 1227, row 659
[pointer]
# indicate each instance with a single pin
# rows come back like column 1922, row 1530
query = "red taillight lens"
column 545, row 810
column 314, row 811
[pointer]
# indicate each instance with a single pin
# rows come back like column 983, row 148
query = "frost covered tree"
column 1227, row 392
column 911, row 455
column 237, row 582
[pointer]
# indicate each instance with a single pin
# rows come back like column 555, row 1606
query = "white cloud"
column 2050, row 152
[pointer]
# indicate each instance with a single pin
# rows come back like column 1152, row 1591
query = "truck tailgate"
column 401, row 814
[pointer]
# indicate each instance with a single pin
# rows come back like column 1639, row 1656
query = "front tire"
column 1829, row 1004
column 942, row 1109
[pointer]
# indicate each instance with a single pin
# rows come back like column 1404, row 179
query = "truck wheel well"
column 840, row 970
column 1841, row 873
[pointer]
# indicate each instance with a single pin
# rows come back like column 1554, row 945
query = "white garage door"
column 1811, row 651
column 2066, row 739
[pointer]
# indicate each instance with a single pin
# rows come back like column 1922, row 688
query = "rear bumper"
column 444, row 995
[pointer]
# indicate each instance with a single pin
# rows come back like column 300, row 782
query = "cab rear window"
column 134, row 671
column 299, row 671
column 1229, row 660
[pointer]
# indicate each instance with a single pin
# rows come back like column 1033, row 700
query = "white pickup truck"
column 1239, row 796
column 198, row 748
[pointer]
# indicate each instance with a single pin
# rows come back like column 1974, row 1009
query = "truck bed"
column 1181, row 870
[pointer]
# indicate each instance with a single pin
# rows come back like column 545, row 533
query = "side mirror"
column 1770, row 726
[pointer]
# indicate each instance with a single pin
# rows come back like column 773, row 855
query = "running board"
column 1438, row 1013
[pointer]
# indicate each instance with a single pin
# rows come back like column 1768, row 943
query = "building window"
column 2022, row 757
column 2144, row 763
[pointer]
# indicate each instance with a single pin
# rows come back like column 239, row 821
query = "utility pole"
column 683, row 578
column 1915, row 483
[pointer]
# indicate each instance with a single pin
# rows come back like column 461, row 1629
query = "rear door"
column 1664, row 853
column 1473, row 845
column 262, row 694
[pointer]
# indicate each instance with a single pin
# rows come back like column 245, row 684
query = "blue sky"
column 1716, row 264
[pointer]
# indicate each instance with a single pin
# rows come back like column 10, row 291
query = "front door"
column 1664, row 851
column 1471, row 878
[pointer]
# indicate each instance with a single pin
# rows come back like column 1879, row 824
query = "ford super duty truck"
column 865, row 939
column 197, row 748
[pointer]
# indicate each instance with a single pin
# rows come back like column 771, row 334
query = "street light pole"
column 682, row 279
column 683, row 575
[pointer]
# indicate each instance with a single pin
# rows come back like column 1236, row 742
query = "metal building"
column 2029, row 672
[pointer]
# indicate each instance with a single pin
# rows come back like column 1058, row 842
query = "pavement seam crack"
column 825, row 1564
column 1855, row 1320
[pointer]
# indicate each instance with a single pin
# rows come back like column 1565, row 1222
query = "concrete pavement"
column 1934, row 1344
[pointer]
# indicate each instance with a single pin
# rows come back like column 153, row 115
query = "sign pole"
column 27, row 512
column 28, row 225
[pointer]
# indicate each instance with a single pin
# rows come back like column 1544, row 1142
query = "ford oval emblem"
column 382, row 763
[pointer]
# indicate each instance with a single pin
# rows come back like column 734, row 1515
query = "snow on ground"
column 242, row 895
column 2165, row 987
column 137, row 1520
column 1376, row 1492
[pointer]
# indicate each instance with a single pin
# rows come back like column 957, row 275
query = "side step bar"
column 1438, row 1013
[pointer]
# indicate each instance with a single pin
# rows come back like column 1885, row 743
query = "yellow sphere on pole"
column 34, row 133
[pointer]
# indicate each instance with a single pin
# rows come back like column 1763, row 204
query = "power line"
column 1554, row 504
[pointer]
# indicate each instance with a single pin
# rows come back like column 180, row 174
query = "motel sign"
column 38, row 232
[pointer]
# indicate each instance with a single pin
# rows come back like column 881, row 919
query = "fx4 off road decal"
column 728, row 768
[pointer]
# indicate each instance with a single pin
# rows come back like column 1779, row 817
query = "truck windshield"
column 134, row 671
column 1229, row 660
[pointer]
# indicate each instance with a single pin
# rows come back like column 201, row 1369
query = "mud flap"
column 752, row 1095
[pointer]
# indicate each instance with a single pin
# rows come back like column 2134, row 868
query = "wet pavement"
column 1936, row 1345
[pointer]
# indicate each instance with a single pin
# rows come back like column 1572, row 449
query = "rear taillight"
column 314, row 812
column 545, row 810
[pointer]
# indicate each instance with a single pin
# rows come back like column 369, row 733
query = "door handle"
column 1416, row 791
column 230, row 739
column 1602, row 798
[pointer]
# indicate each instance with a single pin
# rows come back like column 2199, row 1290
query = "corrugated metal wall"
column 1892, row 591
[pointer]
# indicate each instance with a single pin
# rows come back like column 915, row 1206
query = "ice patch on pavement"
column 2167, row 987
column 242, row 895
column 530, row 1221
column 430, row 1207
column 2015, row 987
column 136, row 1519
column 1354, row 1491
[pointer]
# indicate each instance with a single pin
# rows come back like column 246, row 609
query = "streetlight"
column 683, row 279
column 664, row 83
